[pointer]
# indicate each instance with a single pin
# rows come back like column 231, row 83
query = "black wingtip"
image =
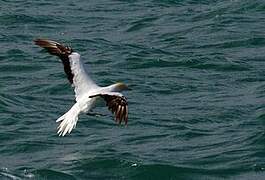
column 59, row 50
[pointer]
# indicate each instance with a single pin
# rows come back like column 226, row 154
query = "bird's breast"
column 86, row 104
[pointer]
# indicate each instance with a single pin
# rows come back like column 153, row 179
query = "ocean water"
column 197, row 73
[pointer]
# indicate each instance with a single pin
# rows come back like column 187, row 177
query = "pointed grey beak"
column 127, row 88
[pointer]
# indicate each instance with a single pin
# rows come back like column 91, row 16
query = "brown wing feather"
column 59, row 50
column 117, row 105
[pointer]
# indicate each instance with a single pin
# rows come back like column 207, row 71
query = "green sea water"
column 197, row 73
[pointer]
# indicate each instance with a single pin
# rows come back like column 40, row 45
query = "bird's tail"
column 68, row 120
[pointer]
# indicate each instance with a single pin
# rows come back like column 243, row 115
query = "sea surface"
column 196, row 109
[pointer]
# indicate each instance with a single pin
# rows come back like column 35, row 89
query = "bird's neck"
column 113, row 88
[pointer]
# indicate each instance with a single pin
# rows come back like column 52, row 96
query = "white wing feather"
column 81, row 81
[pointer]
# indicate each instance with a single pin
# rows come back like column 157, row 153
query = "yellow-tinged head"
column 121, row 86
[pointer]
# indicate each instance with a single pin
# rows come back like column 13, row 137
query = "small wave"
column 5, row 174
column 40, row 174
column 51, row 174
column 159, row 63
column 22, row 19
column 140, row 24
column 9, row 176
column 248, row 42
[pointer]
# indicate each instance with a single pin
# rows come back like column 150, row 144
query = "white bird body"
column 87, row 92
column 70, row 118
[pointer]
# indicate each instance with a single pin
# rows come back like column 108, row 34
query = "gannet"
column 87, row 92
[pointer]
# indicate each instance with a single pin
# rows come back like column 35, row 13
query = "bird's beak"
column 128, row 89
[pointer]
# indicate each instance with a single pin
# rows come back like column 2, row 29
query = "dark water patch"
column 244, row 7
column 23, row 41
column 151, row 63
column 103, row 62
column 221, row 67
column 262, row 117
column 101, row 41
column 19, row 68
column 24, row 173
column 21, row 19
column 26, row 147
column 6, row 138
column 61, row 88
column 159, row 171
column 249, row 43
column 105, row 168
column 10, row 103
column 15, row 54
column 251, row 80
column 140, row 24
column 169, row 3
column 198, row 64
column 146, row 138
column 43, row 174
column 9, row 176
column 45, row 28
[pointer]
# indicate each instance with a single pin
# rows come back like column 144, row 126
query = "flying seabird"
column 87, row 92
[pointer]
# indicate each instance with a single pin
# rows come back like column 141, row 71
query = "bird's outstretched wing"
column 73, row 66
column 117, row 104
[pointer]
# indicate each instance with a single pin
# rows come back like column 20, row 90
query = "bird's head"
column 121, row 86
